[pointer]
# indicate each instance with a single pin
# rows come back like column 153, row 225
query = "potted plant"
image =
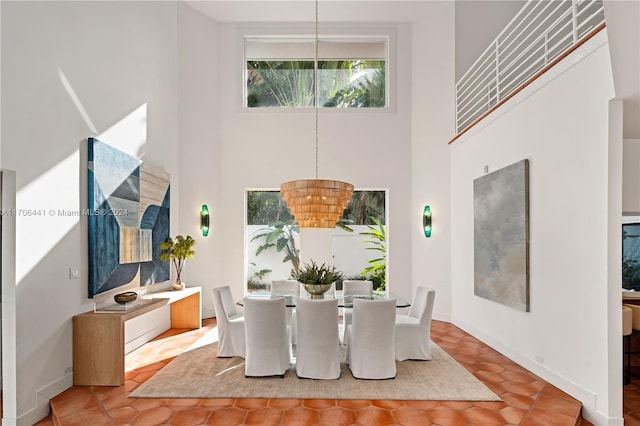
column 315, row 279
column 178, row 251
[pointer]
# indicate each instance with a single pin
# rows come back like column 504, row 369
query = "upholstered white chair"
column 318, row 348
column 413, row 331
column 369, row 339
column 230, row 324
column 356, row 288
column 287, row 288
column 268, row 347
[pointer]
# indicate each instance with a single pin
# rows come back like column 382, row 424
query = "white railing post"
column 574, row 20
column 497, row 48
column 546, row 48
column 457, row 123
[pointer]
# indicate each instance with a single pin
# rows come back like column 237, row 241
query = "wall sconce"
column 204, row 220
column 426, row 221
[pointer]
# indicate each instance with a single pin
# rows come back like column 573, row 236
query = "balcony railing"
column 538, row 35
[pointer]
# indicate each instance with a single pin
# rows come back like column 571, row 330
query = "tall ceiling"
column 478, row 22
column 304, row 10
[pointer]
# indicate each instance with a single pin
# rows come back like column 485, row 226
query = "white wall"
column 631, row 177
column 350, row 253
column 432, row 127
column 199, row 136
column 370, row 149
column 560, row 123
column 71, row 70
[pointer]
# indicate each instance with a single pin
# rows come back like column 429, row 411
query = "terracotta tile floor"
column 527, row 399
column 631, row 401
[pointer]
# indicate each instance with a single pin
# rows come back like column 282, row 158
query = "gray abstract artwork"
column 501, row 236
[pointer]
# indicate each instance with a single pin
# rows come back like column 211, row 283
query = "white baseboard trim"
column 597, row 418
column 208, row 313
column 586, row 397
column 441, row 317
column 42, row 397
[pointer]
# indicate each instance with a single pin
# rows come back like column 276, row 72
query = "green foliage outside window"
column 281, row 236
column 352, row 84
column 267, row 207
column 280, row 83
column 356, row 83
column 377, row 269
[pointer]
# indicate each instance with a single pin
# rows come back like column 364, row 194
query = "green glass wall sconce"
column 204, row 220
column 426, row 221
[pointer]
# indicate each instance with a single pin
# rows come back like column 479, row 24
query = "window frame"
column 328, row 32
column 337, row 233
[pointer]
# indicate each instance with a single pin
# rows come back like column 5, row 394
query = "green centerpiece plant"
column 316, row 279
column 178, row 251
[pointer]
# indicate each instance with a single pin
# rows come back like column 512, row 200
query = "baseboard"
column 42, row 397
column 208, row 313
column 583, row 395
column 597, row 418
column 441, row 317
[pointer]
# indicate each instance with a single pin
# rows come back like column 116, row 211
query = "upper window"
column 280, row 73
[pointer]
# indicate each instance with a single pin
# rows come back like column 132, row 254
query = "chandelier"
column 316, row 203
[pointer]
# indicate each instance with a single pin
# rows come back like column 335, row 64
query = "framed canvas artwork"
column 128, row 218
column 501, row 236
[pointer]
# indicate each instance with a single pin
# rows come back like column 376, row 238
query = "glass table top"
column 343, row 301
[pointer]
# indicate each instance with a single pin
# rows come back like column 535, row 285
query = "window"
column 351, row 73
column 273, row 242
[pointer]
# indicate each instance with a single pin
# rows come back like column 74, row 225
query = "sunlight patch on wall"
column 129, row 134
column 76, row 101
column 49, row 207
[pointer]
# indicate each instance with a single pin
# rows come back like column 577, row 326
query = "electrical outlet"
column 68, row 370
column 74, row 273
column 486, row 169
column 538, row 359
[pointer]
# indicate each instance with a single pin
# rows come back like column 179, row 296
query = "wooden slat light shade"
column 316, row 203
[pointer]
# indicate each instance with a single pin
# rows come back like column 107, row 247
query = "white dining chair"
column 318, row 348
column 413, row 331
column 354, row 288
column 230, row 324
column 369, row 339
column 287, row 288
column 268, row 346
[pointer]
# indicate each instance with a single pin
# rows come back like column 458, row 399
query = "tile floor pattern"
column 631, row 402
column 527, row 399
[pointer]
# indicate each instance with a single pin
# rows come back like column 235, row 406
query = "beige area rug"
column 197, row 373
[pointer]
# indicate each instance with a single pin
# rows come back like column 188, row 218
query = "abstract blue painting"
column 128, row 218
column 501, row 236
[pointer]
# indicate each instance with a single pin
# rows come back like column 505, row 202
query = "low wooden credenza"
column 99, row 341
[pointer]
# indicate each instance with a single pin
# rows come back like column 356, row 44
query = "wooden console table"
column 98, row 337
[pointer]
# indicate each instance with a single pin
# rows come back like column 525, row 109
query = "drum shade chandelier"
column 316, row 203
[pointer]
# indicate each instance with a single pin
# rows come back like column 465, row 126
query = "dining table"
column 343, row 301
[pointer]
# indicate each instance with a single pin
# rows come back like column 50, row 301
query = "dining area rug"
column 198, row 373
